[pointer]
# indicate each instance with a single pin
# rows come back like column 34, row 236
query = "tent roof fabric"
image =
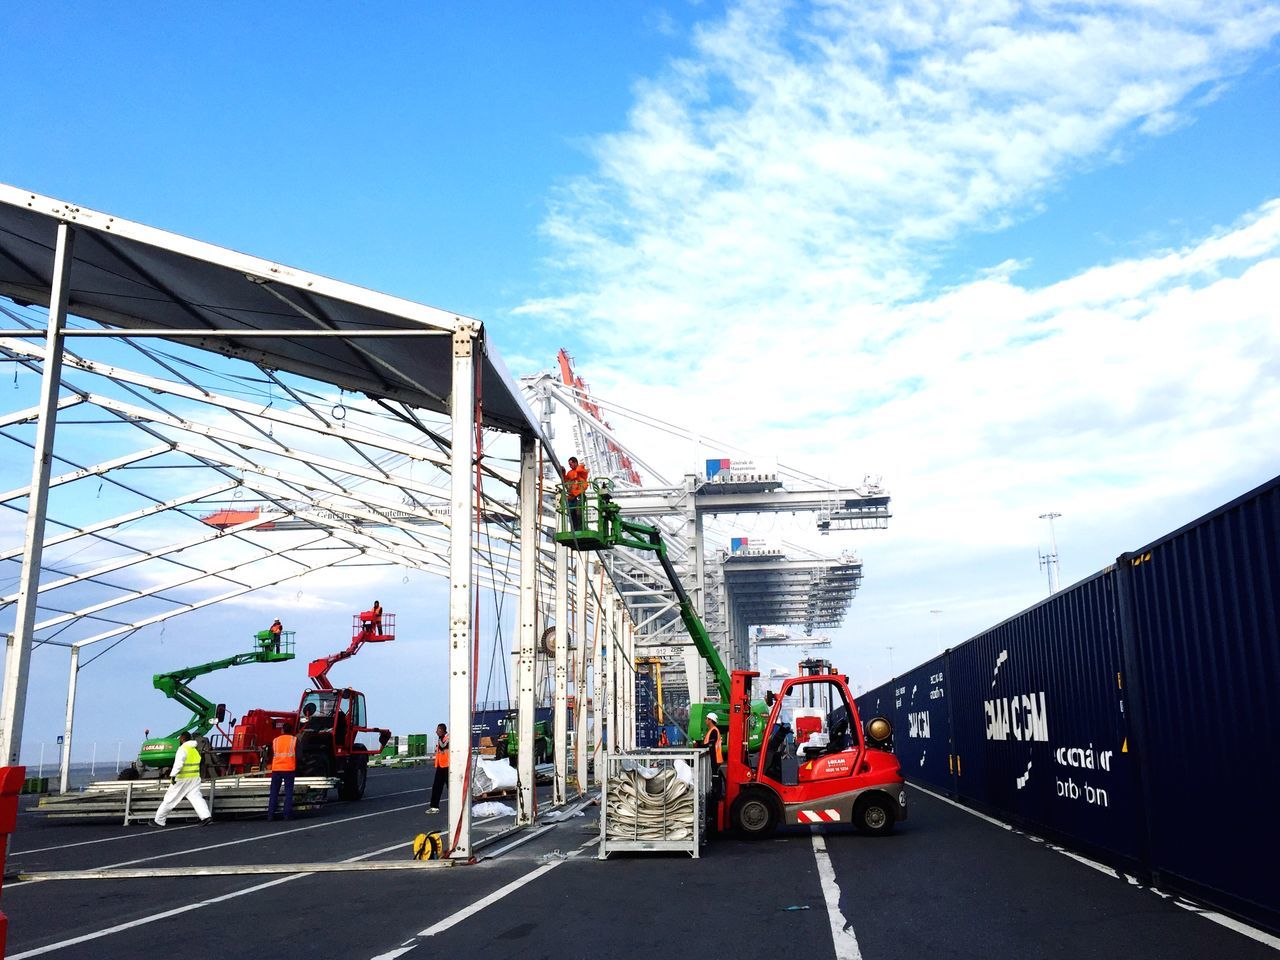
column 129, row 275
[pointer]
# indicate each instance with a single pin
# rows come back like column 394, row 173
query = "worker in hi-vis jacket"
column 184, row 781
column 575, row 479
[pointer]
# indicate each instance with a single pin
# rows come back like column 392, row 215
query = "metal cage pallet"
column 636, row 819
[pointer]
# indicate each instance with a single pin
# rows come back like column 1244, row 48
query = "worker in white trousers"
column 184, row 781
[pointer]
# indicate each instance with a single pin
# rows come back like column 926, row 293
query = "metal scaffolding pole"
column 561, row 702
column 581, row 687
column 529, row 508
column 599, row 681
column 461, row 640
column 71, row 714
column 18, row 655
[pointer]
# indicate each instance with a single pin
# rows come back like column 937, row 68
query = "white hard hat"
column 712, row 716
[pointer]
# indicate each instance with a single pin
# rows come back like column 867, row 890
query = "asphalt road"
column 946, row 885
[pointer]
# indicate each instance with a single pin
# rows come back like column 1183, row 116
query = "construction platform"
column 339, row 882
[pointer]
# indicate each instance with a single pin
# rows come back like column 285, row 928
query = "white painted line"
column 176, row 911
column 1233, row 924
column 85, row 843
column 148, row 833
column 515, row 843
column 492, row 898
column 1229, row 922
column 842, row 935
column 187, row 908
column 259, row 837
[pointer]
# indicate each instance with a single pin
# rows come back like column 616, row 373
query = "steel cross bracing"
column 180, row 480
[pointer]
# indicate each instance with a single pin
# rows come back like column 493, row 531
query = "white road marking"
column 146, row 833
column 500, row 893
column 253, row 839
column 1230, row 923
column 479, row 905
column 842, row 935
column 515, row 843
column 187, row 908
column 84, row 843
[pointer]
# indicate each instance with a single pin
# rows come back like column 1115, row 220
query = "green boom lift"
column 158, row 752
column 594, row 521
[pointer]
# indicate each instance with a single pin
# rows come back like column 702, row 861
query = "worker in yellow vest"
column 184, row 781
column 442, row 767
column 284, row 766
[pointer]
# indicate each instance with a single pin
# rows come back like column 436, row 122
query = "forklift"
column 816, row 764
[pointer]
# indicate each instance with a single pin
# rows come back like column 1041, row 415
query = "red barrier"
column 11, row 780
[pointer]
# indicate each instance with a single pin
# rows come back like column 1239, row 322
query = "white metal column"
column 461, row 639
column 529, row 509
column 599, row 681
column 18, row 655
column 561, row 702
column 71, row 713
column 629, row 680
column 581, row 687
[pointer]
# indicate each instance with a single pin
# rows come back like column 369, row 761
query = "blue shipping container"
column 1204, row 659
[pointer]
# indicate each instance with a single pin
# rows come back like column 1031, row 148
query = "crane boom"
column 368, row 628
column 176, row 685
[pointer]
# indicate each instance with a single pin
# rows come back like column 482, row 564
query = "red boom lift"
column 815, row 764
column 328, row 719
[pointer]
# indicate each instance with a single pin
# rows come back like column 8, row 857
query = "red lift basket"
column 372, row 627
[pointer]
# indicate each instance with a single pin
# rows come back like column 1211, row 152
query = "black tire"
column 755, row 814
column 354, row 777
column 315, row 763
column 500, row 751
column 128, row 773
column 874, row 814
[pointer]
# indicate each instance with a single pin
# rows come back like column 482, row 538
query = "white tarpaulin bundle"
column 491, row 776
column 651, row 803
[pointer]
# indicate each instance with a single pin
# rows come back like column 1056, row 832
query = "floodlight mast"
column 1049, row 561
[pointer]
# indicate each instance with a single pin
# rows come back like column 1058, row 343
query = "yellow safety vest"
column 190, row 762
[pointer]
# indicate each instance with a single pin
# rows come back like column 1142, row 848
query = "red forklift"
column 328, row 720
column 816, row 763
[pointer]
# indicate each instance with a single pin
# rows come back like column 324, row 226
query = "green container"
column 35, row 785
column 417, row 744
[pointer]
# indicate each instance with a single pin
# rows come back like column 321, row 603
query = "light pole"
column 937, row 627
column 890, row 649
column 1050, row 561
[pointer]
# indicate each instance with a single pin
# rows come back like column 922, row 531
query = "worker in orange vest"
column 714, row 739
column 277, row 630
column 442, row 767
column 575, row 479
column 284, row 766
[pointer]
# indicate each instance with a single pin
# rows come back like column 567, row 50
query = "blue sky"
column 1012, row 258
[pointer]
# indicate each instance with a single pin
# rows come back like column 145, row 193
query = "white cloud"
column 753, row 254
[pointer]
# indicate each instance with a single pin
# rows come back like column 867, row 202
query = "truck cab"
column 814, row 763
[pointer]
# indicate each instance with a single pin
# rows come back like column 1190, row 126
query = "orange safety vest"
column 717, row 742
column 284, row 753
column 577, row 480
column 442, row 752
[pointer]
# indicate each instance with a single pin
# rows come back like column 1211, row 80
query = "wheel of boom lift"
column 128, row 773
column 354, row 777
column 755, row 814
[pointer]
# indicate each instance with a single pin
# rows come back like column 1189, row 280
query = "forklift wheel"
column 874, row 815
column 754, row 815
